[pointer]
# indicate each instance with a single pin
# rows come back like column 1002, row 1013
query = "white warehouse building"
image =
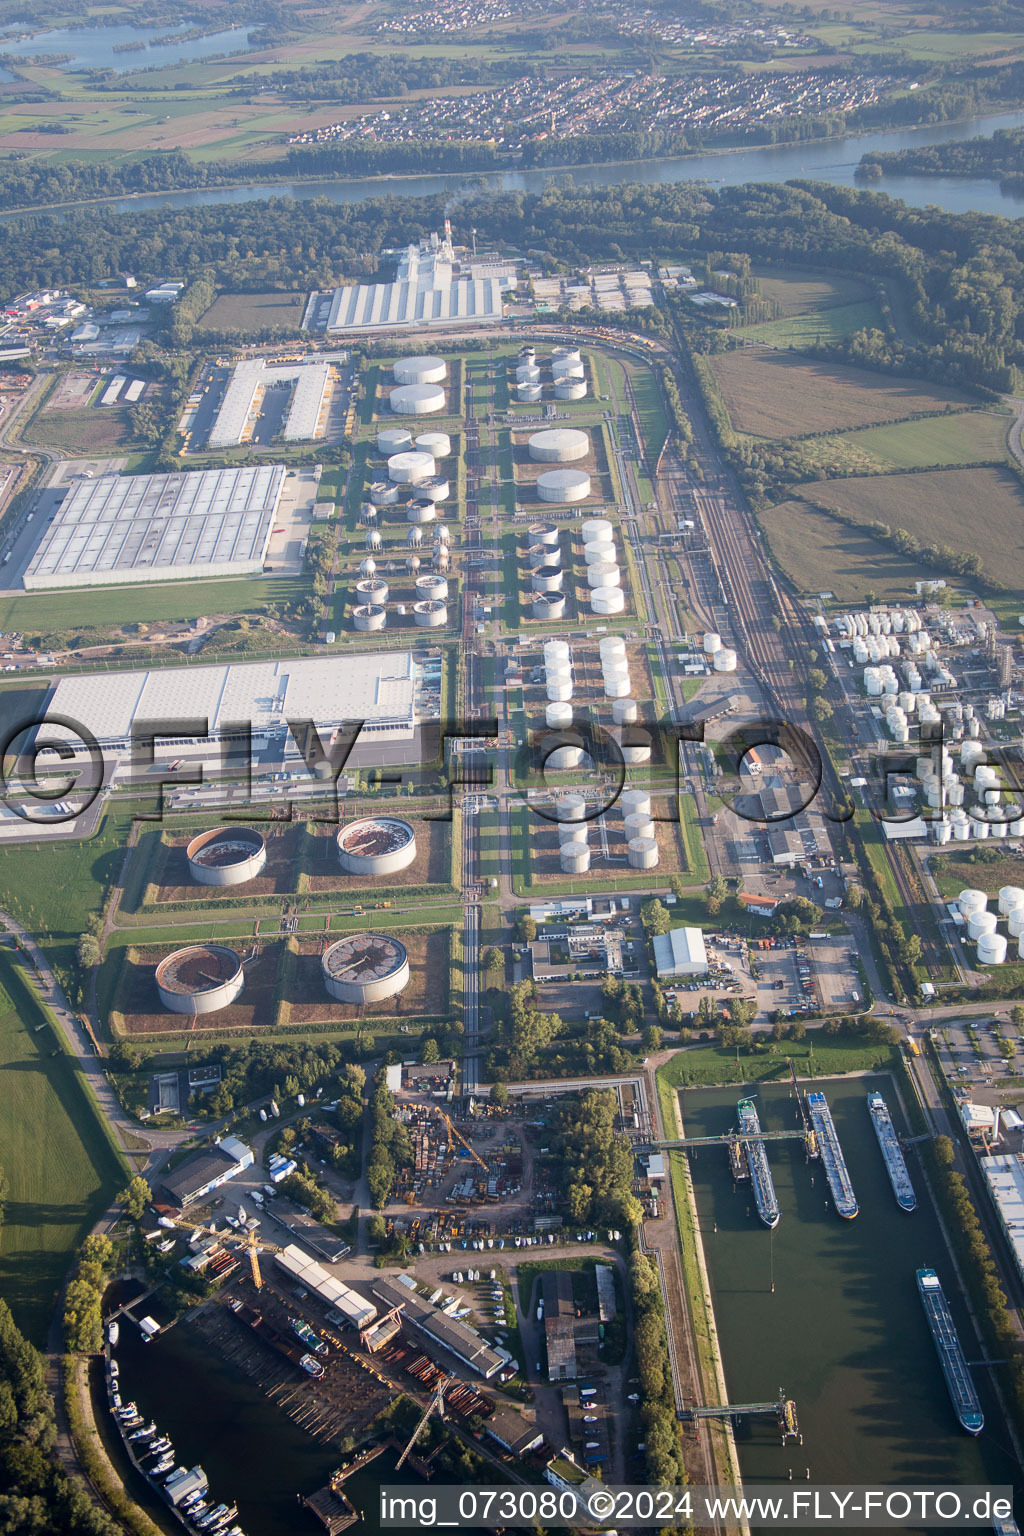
column 680, row 952
column 243, row 399
column 178, row 527
column 428, row 290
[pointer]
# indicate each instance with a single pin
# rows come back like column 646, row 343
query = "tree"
column 5, row 1190
column 816, row 679
column 87, row 950
column 494, row 964
column 822, row 709
column 355, row 1076
column 429, row 1053
column 654, row 917
column 716, row 892
column 1017, row 1015
column 527, row 928
column 376, row 1231
column 135, row 1198
column 651, row 1038
column 500, row 1094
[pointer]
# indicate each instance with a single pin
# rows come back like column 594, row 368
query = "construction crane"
column 436, row 1401
column 459, row 1137
column 247, row 1241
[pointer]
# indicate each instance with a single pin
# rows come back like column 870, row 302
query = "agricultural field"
column 145, row 603
column 94, row 432
column 820, row 554
column 971, row 437
column 62, row 1171
column 819, row 328
column 254, row 312
column 774, row 394
column 798, row 293
column 979, row 511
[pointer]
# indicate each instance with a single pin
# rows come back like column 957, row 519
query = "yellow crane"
column 436, row 1401
column 246, row 1241
column 459, row 1137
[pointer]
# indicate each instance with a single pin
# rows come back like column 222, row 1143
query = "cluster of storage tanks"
column 982, row 925
column 573, row 831
column 562, row 446
column 722, row 657
column 639, row 830
column 945, row 783
column 544, row 559
column 635, row 745
column 567, row 373
column 412, row 479
column 419, row 386
column 600, row 552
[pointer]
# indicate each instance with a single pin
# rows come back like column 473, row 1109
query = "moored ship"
column 892, row 1153
column 761, row 1180
column 951, row 1356
column 834, row 1162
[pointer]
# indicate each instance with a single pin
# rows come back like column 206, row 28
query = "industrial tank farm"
column 200, row 979
column 376, row 845
column 365, row 968
column 226, row 856
column 417, row 399
column 558, row 445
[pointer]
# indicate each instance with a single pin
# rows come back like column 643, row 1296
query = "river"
column 844, row 1332
column 94, row 47
column 833, row 160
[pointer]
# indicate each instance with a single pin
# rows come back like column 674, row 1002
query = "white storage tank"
column 555, row 651
column 543, row 533
column 417, row 399
column 611, row 646
column 369, row 616
column 375, row 846
column 616, row 688
column 991, row 949
column 642, row 853
column 527, row 373
column 558, row 692
column 599, row 551
column 393, row 440
column 563, row 485
column 547, row 605
column 570, row 389
column 383, row 493
column 574, row 858
column 420, row 370
column 411, row 467
column 571, row 808
column 437, row 444
column 603, row 574
column 980, row 826
column 942, row 830
column 368, row 567
column 430, row 586
column 372, row 589
column 562, row 371
column 634, row 744
column 430, row 613
column 566, row 356
column 414, row 538
column 546, row 578
column 624, row 711
column 638, row 825
column 529, row 393
column 981, row 922
column 712, row 643
column 543, row 554
column 961, row 825
column 597, row 530
column 971, row 900
column 200, row 978
column 226, row 856
column 373, row 539
column 558, row 716
column 558, row 445
column 442, row 534
column 572, row 832
column 606, row 600
column 725, row 660
column 1015, row 923
column 365, row 968
column 561, row 758
column 633, row 802
column 434, row 488
column 421, row 511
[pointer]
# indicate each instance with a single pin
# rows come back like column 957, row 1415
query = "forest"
column 1001, row 156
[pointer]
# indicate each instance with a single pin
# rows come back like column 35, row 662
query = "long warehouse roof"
column 123, row 528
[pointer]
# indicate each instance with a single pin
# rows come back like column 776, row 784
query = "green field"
column 802, row 293
column 151, row 603
column 818, row 329
column 254, row 311
column 975, row 437
column 821, row 554
column 978, row 511
column 707, row 1066
column 61, row 1169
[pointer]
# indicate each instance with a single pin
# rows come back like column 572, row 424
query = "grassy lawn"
column 776, row 394
column 61, row 1169
column 979, row 511
column 146, row 604
column 817, row 328
column 821, row 554
column 800, row 293
column 650, row 408
column 253, row 311
column 712, row 1066
column 974, row 437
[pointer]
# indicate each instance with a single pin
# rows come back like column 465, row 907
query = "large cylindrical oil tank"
column 971, row 900
column 565, row 356
column 527, row 373
column 572, row 832
column 571, row 808
column 421, row 511
column 410, row 468
column 642, row 853
column 546, row 578
column 597, row 530
column 391, row 440
column 561, row 372
column 570, row 389
column 624, row 710
column 611, row 647
column 543, row 533
column 633, row 802
column 563, row 485
column 543, row 554
column 200, row 978
column 725, row 660
column 638, row 824
column 371, row 589
column 616, row 687
column 431, row 586
column 437, row 444
column 369, row 616
column 574, row 858
column 558, row 445
column 558, row 692
column 991, row 949
column 529, row 392
column 547, row 605
column 376, row 845
column 558, row 716
column 434, row 488
column 420, row 370
column 365, row 968
column 979, row 923
column 607, row 600
column 604, row 573
column 598, row 551
column 417, row 399
column 383, row 493
column 556, row 650
column 712, row 643
column 1015, row 923
column 430, row 613
column 226, row 856
column 1010, row 896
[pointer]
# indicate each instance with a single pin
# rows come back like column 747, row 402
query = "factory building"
column 382, row 691
column 429, row 290
column 243, row 399
column 433, row 1331
column 206, row 1171
column 357, row 1312
column 680, row 952
column 129, row 528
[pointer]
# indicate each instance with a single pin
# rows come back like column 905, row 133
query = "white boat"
column 113, row 1334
